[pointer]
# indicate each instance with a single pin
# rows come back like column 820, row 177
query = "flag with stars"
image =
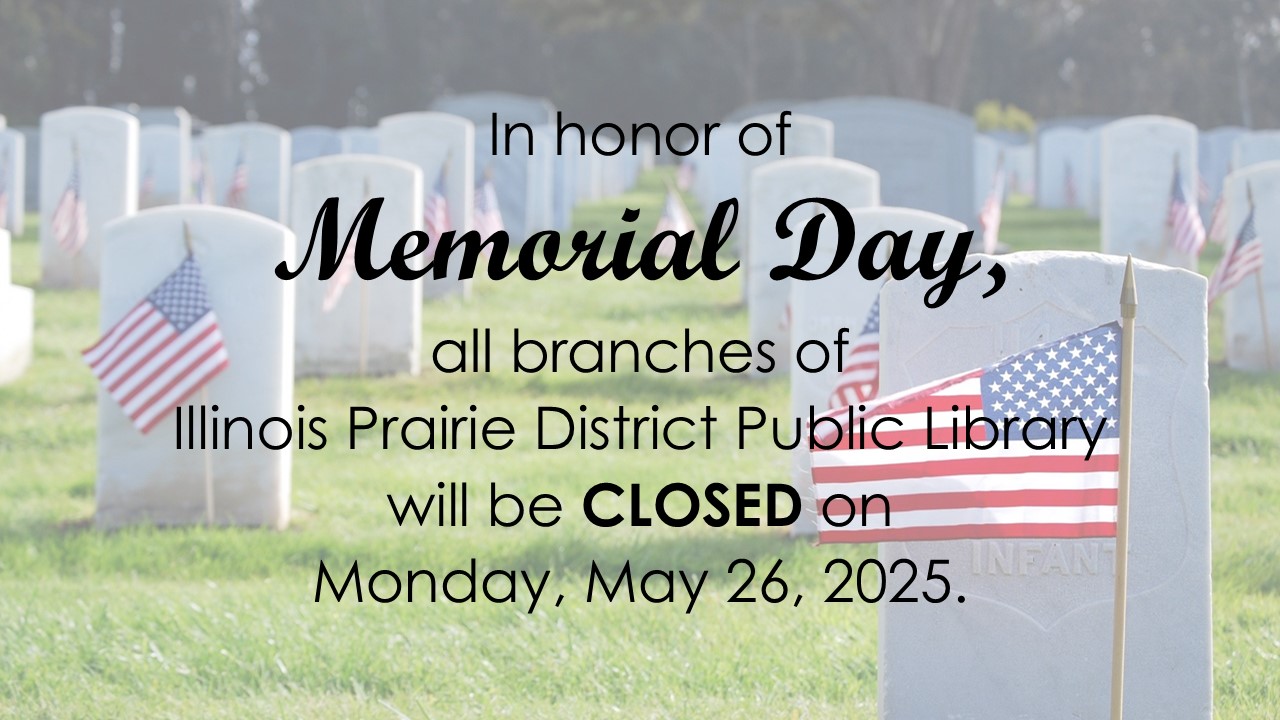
column 1242, row 259
column 487, row 215
column 163, row 350
column 860, row 376
column 1033, row 481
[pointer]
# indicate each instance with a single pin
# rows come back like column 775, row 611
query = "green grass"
column 219, row 623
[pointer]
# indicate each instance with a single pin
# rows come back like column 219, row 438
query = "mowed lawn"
column 220, row 623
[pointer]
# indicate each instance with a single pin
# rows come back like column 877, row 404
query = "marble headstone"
column 1138, row 156
column 1033, row 637
column 1255, row 147
column 312, row 141
column 265, row 151
column 102, row 146
column 164, row 166
column 843, row 300
column 1064, row 160
column 17, row 320
column 924, row 153
column 1020, row 161
column 987, row 155
column 373, row 327
column 774, row 187
column 522, row 180
column 13, row 164
column 31, row 187
column 1245, row 339
column 143, row 478
column 437, row 142
column 1215, row 160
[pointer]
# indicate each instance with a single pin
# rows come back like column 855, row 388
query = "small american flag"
column 1242, row 259
column 341, row 278
column 992, row 209
column 860, row 378
column 1012, row 489
column 488, row 216
column 203, row 185
column 70, row 221
column 1218, row 221
column 1185, row 228
column 1070, row 196
column 435, row 210
column 675, row 219
column 163, row 350
column 239, row 187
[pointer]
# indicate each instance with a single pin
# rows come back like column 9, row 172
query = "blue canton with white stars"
column 182, row 298
column 1077, row 376
column 872, row 325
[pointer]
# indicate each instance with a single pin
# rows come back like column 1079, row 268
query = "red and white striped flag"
column 163, row 350
column 435, row 210
column 991, row 213
column 1186, row 231
column 860, row 377
column 70, row 220
column 1203, row 193
column 675, row 219
column 488, row 216
column 1242, row 259
column 239, row 188
column 341, row 279
column 1035, row 480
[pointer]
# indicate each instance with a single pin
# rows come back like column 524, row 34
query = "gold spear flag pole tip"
column 1129, row 292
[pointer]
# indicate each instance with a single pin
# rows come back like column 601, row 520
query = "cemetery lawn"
column 220, row 623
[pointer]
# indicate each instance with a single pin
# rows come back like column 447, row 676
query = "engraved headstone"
column 1033, row 637
column 13, row 180
column 96, row 151
column 1256, row 147
column 774, row 187
column 1066, row 168
column 1243, row 316
column 522, row 178
column 143, row 478
column 1138, row 156
column 17, row 320
column 843, row 299
column 437, row 143
column 258, row 153
column 924, row 153
column 367, row 327
column 164, row 166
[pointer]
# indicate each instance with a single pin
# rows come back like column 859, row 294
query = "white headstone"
column 144, row 478
column 373, row 327
column 313, row 141
column 1256, row 147
column 430, row 140
column 17, row 320
column 774, row 187
column 265, row 152
column 164, row 166
column 924, row 153
column 1020, row 160
column 31, row 138
column 1064, row 160
column 102, row 146
column 522, row 180
column 1138, row 156
column 843, row 300
column 720, row 172
column 1245, row 339
column 1033, row 637
column 1215, row 160
column 13, row 181
column 359, row 140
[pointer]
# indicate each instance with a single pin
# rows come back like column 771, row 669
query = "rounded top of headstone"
column 304, row 129
column 1270, row 167
column 1225, row 130
column 758, row 109
column 174, row 215
column 245, row 127
column 809, row 162
column 1136, row 121
column 87, row 111
column 159, row 131
column 903, row 218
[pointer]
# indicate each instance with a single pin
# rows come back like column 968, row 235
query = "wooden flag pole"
column 204, row 402
column 1262, row 300
column 1128, row 314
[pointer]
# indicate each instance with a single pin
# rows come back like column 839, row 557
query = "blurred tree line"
column 338, row 62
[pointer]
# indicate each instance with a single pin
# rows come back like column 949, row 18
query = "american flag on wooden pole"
column 992, row 210
column 345, row 271
column 163, row 350
column 239, row 188
column 1012, row 489
column 1186, row 231
column 860, row 376
column 70, row 220
column 1243, row 258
